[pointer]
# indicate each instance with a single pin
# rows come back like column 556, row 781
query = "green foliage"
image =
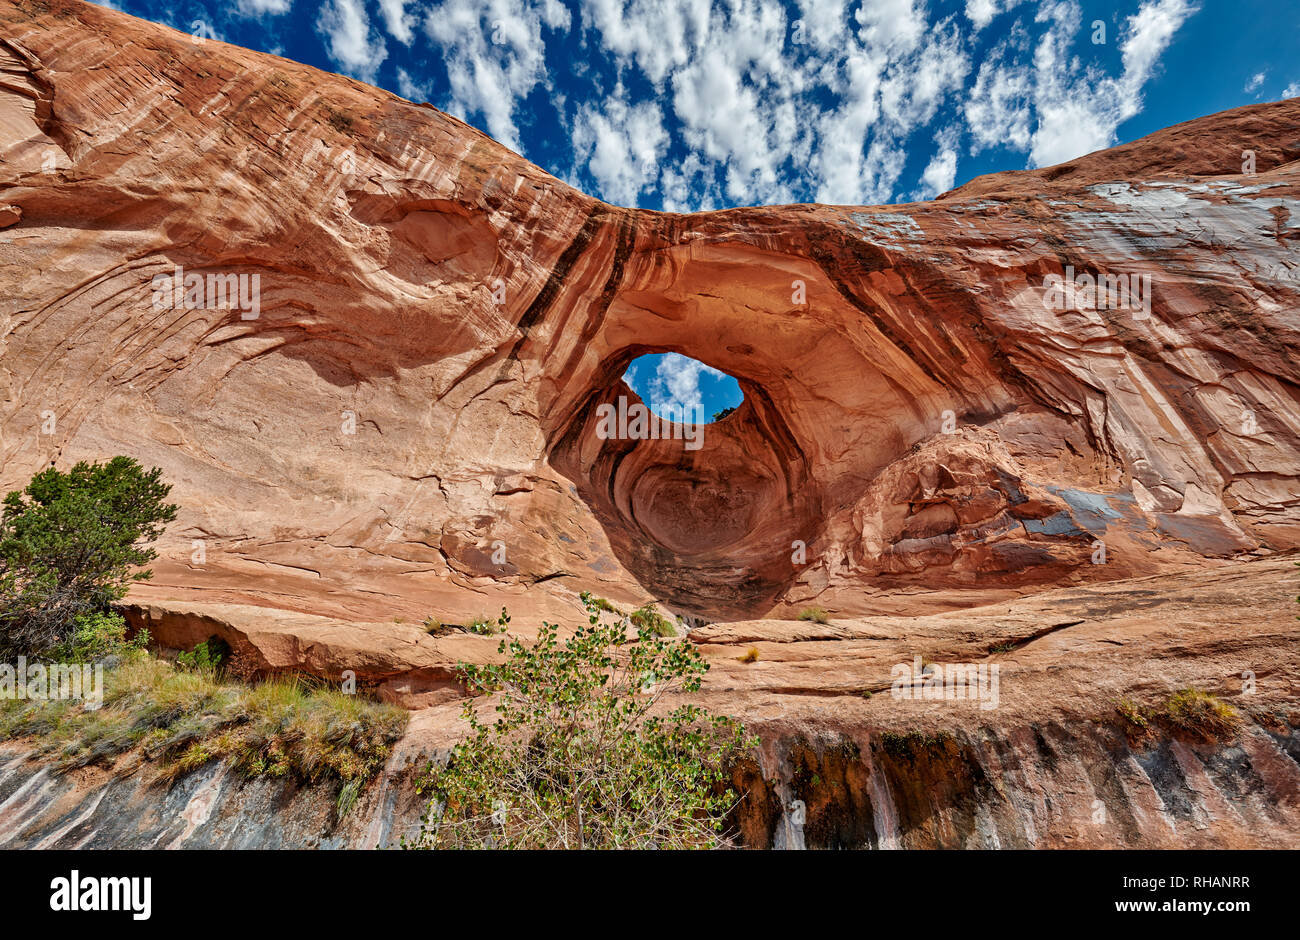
column 482, row 626
column 719, row 415
column 182, row 719
column 97, row 636
column 584, row 751
column 1132, row 713
column 208, row 656
column 815, row 614
column 1201, row 713
column 71, row 544
column 601, row 604
column 646, row 617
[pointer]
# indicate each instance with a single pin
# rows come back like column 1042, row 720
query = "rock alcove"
column 702, row 514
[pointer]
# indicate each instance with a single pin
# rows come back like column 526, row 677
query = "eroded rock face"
column 843, row 763
column 397, row 416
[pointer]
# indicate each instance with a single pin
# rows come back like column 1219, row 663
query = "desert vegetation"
column 585, row 751
column 179, row 718
column 1189, row 710
column 70, row 545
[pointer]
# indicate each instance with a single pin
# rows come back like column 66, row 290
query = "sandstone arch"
column 471, row 403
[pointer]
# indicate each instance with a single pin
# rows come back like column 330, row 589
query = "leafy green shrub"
column 719, row 415
column 601, row 604
column 815, row 614
column 71, row 544
column 1201, row 713
column 208, row 656
column 646, row 617
column 482, row 626
column 97, row 636
column 579, row 755
column 1132, row 713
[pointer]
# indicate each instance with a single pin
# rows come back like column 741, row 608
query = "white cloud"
column 917, row 85
column 677, row 382
column 999, row 106
column 656, row 35
column 941, row 172
column 824, row 23
column 410, row 88
column 891, row 25
column 494, row 54
column 689, row 186
column 736, row 100
column 981, row 12
column 353, row 46
column 1255, row 81
column 622, row 146
column 842, row 133
column 263, row 7
column 1149, row 34
column 824, row 99
column 556, row 15
column 1079, row 109
column 401, row 25
column 1291, row 91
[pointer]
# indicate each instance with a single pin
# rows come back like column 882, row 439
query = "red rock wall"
column 438, row 321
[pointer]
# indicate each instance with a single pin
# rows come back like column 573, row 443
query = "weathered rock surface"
column 437, row 320
column 397, row 418
column 1053, row 765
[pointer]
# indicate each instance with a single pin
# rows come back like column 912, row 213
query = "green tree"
column 71, row 544
column 585, row 752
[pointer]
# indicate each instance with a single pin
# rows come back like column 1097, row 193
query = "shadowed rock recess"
column 381, row 404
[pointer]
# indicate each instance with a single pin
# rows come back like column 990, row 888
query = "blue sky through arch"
column 673, row 381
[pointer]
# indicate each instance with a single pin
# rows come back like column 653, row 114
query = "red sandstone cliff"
column 407, row 425
column 412, row 389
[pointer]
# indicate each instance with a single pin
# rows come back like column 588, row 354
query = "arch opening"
column 702, row 514
column 673, row 385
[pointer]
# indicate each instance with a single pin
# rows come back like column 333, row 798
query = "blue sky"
column 698, row 104
column 702, row 104
column 673, row 381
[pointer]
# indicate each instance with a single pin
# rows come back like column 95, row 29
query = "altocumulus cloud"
column 698, row 104
column 676, row 384
column 690, row 104
column 351, row 42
